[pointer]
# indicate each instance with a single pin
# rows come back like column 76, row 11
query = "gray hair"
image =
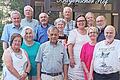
column 24, row 29
column 58, row 20
column 28, row 6
column 52, row 29
column 15, row 12
column 67, row 8
column 43, row 14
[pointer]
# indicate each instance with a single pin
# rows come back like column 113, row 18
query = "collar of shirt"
column 13, row 26
column 54, row 44
column 28, row 20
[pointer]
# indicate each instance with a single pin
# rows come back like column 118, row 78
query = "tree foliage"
column 17, row 5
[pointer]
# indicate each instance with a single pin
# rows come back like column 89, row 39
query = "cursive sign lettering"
column 83, row 1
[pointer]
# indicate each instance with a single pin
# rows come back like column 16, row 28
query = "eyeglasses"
column 92, row 32
column 81, row 21
column 100, row 21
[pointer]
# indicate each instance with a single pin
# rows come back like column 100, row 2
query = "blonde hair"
column 94, row 29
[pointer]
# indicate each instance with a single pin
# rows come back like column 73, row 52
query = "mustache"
column 43, row 20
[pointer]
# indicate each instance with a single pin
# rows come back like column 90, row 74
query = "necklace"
column 19, row 56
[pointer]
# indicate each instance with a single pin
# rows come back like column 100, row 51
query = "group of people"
column 84, row 49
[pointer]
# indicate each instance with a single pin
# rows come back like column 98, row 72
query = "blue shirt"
column 8, row 31
column 31, row 23
column 42, row 35
column 52, row 58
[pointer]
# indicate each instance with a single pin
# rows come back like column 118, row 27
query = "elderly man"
column 90, row 19
column 52, row 59
column 28, row 20
column 101, row 24
column 106, row 57
column 42, row 28
column 70, row 24
column 9, row 29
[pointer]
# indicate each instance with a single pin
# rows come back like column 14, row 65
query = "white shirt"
column 107, row 57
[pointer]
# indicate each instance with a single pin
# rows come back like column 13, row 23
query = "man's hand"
column 72, row 62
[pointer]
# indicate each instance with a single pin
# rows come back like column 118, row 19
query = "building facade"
column 109, row 8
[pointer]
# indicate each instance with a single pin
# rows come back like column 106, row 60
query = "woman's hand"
column 90, row 77
column 23, row 76
column 72, row 62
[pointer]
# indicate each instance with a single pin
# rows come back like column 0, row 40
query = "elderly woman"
column 60, row 24
column 76, row 39
column 87, row 51
column 16, row 63
column 31, row 48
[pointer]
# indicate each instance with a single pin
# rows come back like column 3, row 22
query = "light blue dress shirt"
column 52, row 58
column 31, row 23
column 8, row 31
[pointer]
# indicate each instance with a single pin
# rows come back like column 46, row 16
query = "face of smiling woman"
column 16, row 44
column 28, row 35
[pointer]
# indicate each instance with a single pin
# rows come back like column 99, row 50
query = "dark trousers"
column 112, row 76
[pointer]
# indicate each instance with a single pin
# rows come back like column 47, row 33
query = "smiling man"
column 42, row 28
column 106, row 57
column 10, row 29
column 52, row 59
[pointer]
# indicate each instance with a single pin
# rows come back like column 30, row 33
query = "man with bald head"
column 106, row 60
column 42, row 28
column 101, row 24
column 70, row 24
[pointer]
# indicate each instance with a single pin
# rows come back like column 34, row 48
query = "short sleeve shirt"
column 107, row 57
column 52, row 58
column 8, row 31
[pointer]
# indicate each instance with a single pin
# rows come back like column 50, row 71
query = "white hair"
column 24, row 29
column 28, row 6
column 43, row 14
column 15, row 12
column 65, row 8
column 58, row 20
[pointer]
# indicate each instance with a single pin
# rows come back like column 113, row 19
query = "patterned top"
column 107, row 57
column 68, row 27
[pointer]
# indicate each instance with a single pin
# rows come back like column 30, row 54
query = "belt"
column 52, row 74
